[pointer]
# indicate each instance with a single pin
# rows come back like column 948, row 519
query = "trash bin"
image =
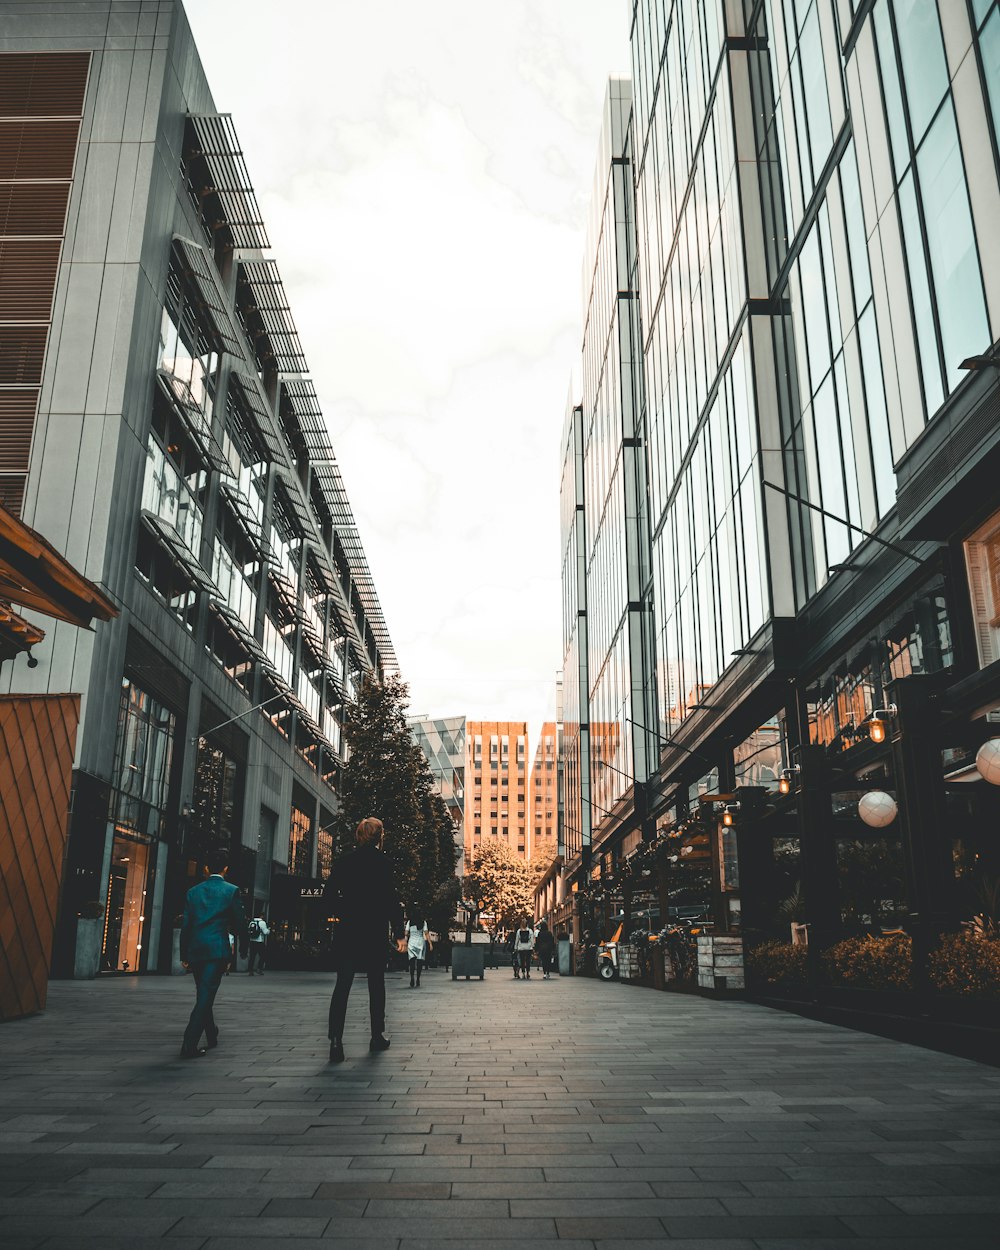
column 565, row 950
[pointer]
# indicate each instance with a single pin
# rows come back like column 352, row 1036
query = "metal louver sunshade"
column 220, row 179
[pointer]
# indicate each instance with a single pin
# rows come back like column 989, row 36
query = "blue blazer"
column 212, row 910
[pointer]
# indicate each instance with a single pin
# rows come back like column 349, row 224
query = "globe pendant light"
column 877, row 809
column 988, row 761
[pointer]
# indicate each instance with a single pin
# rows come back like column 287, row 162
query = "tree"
column 501, row 885
column 387, row 776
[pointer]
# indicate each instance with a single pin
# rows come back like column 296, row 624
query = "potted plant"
column 89, row 940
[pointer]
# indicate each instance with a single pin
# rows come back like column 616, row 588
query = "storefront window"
column 982, row 556
column 139, row 803
column 300, row 844
column 216, row 818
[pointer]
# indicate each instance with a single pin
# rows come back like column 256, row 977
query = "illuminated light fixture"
column 729, row 814
column 877, row 809
column 988, row 761
column 786, row 779
column 877, row 722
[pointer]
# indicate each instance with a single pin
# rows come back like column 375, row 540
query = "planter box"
column 467, row 961
column 720, row 962
column 89, row 940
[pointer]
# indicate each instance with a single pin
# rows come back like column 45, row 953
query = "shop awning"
column 219, row 177
column 198, row 267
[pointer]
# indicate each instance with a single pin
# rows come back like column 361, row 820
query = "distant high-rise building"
column 496, row 783
column 544, row 791
column 442, row 741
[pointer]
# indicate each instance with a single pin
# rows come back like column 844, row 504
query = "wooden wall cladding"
column 41, row 104
column 37, row 741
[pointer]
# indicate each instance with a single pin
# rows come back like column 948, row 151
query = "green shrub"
column 778, row 963
column 966, row 963
column 871, row 963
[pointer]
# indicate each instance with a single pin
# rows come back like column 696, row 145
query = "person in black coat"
column 360, row 892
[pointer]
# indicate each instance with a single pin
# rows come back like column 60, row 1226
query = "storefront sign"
column 311, row 891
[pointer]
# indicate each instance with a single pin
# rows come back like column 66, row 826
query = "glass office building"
column 818, row 296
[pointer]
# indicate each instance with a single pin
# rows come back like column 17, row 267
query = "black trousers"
column 256, row 956
column 376, row 999
column 207, row 979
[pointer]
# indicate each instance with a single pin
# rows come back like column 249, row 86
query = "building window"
column 982, row 555
column 942, row 260
column 300, row 844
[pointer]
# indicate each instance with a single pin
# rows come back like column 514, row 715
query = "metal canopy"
column 220, row 180
column 267, row 318
column 238, row 629
column 195, row 262
column 327, row 473
column 200, row 430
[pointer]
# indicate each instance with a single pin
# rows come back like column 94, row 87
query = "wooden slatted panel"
column 22, row 353
column 37, row 739
column 43, row 84
column 30, row 149
column 41, row 103
column 17, row 422
column 33, row 208
column 28, row 270
column 12, row 491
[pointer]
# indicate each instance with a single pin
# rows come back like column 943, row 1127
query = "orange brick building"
column 544, row 796
column 496, row 786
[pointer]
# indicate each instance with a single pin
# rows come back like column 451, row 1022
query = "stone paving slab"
column 592, row 1116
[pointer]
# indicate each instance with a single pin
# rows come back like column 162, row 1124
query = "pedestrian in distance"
column 259, row 933
column 511, row 947
column 212, row 911
column 444, row 951
column 418, row 944
column 360, row 893
column 545, row 944
column 524, row 944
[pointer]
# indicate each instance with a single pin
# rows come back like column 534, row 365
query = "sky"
column 425, row 173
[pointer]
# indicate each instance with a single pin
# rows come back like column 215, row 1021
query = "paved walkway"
column 600, row 1115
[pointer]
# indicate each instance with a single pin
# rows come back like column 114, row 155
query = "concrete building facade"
column 160, row 430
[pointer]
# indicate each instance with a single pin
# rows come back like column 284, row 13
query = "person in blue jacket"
column 212, row 911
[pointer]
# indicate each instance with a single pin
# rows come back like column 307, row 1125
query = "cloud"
column 424, row 172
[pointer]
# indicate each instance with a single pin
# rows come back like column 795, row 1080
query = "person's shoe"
column 192, row 1054
column 249, row 974
column 379, row 1042
column 411, row 985
column 213, row 1039
column 336, row 1050
column 418, row 985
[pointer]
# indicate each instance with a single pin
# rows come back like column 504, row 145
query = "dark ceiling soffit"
column 952, row 468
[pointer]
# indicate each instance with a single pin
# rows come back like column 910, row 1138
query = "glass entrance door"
column 129, row 885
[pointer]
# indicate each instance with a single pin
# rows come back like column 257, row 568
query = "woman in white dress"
column 418, row 943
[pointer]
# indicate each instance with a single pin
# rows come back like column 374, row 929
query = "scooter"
column 607, row 957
